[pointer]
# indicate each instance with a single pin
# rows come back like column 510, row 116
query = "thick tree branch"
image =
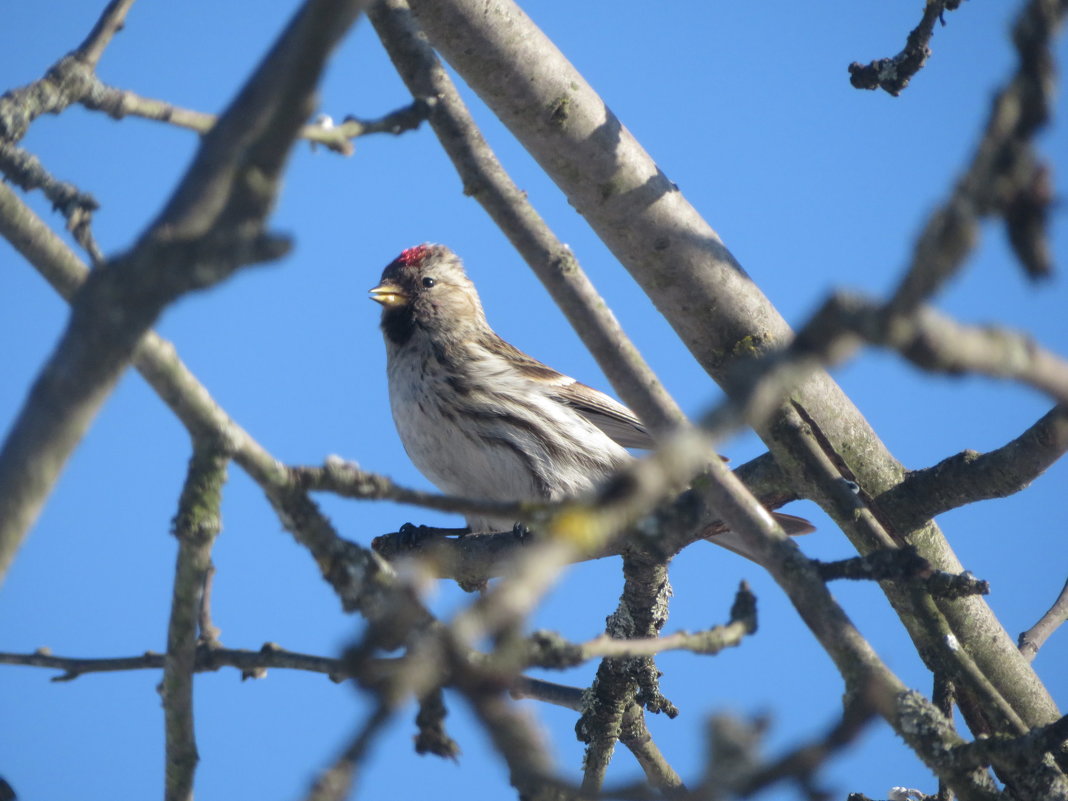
column 213, row 224
column 621, row 683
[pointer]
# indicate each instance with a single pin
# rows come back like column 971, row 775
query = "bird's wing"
column 609, row 415
column 612, row 417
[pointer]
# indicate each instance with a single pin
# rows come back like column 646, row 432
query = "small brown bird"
column 479, row 417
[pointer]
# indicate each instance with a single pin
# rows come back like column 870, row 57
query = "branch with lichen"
column 196, row 525
column 893, row 74
column 903, row 565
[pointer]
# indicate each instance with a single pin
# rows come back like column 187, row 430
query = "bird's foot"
column 523, row 534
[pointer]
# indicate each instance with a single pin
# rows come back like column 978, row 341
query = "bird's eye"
column 428, row 282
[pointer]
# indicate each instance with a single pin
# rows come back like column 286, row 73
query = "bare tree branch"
column 903, row 564
column 472, row 561
column 934, row 342
column 120, row 103
column 66, row 81
column 548, row 650
column 252, row 664
column 893, row 74
column 350, row 481
column 801, row 763
column 212, row 225
column 110, row 23
column 970, row 476
column 196, row 525
column 336, row 783
column 622, row 683
column 26, row 171
column 1034, row 638
column 633, row 733
column 1003, row 172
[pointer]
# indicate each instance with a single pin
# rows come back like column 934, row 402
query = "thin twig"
column 1003, row 170
column 120, row 103
column 336, row 782
column 894, row 74
column 1034, row 638
column 802, row 762
column 209, row 632
column 348, row 480
column 547, row 650
column 110, row 23
column 970, row 476
column 252, row 664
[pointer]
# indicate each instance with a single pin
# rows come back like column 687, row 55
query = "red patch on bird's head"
column 414, row 256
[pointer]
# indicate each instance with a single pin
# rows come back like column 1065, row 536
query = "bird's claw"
column 409, row 535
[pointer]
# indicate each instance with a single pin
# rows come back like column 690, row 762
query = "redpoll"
column 479, row 417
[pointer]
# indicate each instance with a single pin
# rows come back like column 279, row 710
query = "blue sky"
column 812, row 184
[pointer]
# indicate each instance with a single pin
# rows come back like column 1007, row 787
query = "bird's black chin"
column 398, row 323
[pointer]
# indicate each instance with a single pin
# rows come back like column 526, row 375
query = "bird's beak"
column 389, row 295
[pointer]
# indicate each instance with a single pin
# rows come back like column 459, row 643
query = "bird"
column 479, row 417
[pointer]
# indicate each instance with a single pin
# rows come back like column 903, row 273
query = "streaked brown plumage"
column 479, row 417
